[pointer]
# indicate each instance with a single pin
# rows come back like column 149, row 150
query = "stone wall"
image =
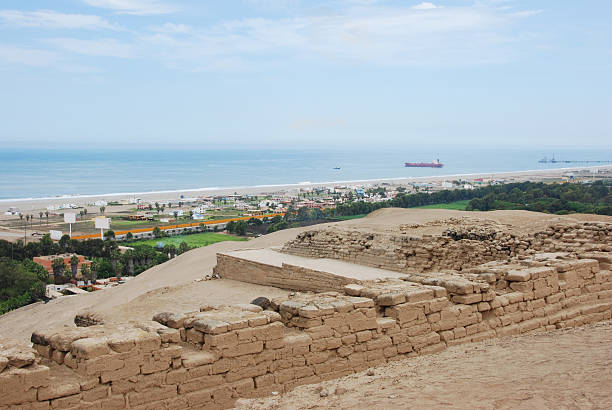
column 207, row 359
column 460, row 247
column 285, row 277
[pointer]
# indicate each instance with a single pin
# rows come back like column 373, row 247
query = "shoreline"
column 271, row 188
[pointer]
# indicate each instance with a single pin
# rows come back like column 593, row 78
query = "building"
column 47, row 262
column 12, row 211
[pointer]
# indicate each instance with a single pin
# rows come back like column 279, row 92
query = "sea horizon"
column 43, row 174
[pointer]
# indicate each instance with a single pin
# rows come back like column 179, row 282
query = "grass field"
column 348, row 217
column 196, row 240
column 457, row 205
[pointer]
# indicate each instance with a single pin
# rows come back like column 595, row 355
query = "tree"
column 25, row 228
column 110, row 234
column 86, row 273
column 183, row 247
column 46, row 245
column 157, row 232
column 128, row 260
column 102, row 209
column 47, row 216
column 175, row 213
column 115, row 256
column 40, row 214
column 59, row 267
column 74, row 265
column 170, row 250
column 157, row 207
column 241, row 227
column 64, row 243
column 102, row 268
column 129, row 235
column 20, row 283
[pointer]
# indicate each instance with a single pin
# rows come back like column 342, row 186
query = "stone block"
column 199, row 383
column 243, row 349
column 89, row 348
column 58, row 389
column 195, row 359
column 211, row 326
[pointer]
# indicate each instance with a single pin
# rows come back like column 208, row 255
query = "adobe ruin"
column 361, row 298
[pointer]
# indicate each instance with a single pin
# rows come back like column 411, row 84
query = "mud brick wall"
column 208, row 358
column 397, row 252
column 455, row 250
column 285, row 277
column 588, row 236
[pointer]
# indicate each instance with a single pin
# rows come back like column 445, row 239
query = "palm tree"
column 157, row 206
column 175, row 215
column 40, row 214
column 102, row 209
column 47, row 215
column 25, row 229
column 74, row 264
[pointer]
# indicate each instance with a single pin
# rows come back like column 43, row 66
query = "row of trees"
column 595, row 198
column 534, row 196
column 21, row 283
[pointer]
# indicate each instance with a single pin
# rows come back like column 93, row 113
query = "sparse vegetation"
column 192, row 241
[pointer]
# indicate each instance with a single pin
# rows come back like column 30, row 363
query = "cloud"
column 425, row 6
column 27, row 56
column 33, row 57
column 135, row 7
column 52, row 19
column 378, row 35
column 105, row 47
column 172, row 28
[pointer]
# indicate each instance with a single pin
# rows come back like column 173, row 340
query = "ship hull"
column 424, row 165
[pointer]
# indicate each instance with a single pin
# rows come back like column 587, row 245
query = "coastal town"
column 177, row 212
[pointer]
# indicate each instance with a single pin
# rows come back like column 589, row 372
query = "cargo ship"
column 435, row 164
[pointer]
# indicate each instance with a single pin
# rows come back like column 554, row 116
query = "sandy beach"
column 36, row 204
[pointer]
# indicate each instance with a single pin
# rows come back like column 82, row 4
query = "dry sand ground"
column 175, row 285
column 563, row 369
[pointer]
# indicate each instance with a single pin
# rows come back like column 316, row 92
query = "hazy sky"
column 195, row 73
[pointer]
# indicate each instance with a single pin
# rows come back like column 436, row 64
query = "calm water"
column 43, row 173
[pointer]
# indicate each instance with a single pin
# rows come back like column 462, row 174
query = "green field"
column 348, row 217
column 196, row 240
column 457, row 205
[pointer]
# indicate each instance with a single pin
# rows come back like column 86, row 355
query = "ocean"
column 37, row 173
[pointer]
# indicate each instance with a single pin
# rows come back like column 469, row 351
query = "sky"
column 295, row 73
